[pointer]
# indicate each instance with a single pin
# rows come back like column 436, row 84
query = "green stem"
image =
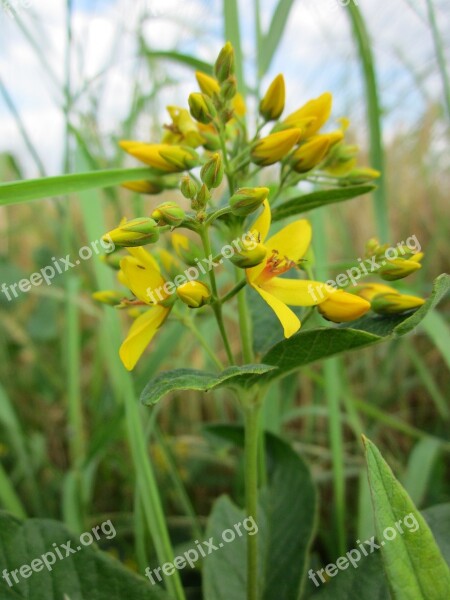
column 189, row 323
column 216, row 304
column 251, row 492
column 237, row 288
column 244, row 324
column 440, row 54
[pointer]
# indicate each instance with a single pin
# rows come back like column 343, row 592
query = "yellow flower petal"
column 142, row 280
column 144, row 258
column 292, row 241
column 262, row 223
column 297, row 292
column 288, row 319
column 140, row 335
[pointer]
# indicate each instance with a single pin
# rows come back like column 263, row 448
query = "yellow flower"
column 275, row 146
column 136, row 232
column 164, row 157
column 310, row 154
column 284, row 250
column 272, row 105
column 142, row 276
column 341, row 307
column 317, row 110
column 183, row 129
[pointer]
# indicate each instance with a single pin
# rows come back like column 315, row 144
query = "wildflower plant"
column 227, row 242
column 236, row 184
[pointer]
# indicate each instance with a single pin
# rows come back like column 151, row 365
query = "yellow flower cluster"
column 209, row 143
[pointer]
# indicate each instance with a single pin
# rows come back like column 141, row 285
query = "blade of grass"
column 8, row 497
column 440, row 54
column 60, row 185
column 438, row 331
column 374, row 112
column 427, row 379
column 272, row 38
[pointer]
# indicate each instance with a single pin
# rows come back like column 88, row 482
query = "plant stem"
column 189, row 324
column 244, row 324
column 216, row 304
column 251, row 492
column 237, row 288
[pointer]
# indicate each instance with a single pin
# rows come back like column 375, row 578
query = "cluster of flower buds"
column 386, row 300
column 397, row 267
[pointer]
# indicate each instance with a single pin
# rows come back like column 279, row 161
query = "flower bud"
column 398, row 268
column 310, row 154
column 169, row 213
column 136, row 232
column 181, row 158
column 202, row 198
column 109, row 297
column 370, row 290
column 201, row 107
column 341, row 307
column 247, row 200
column 318, row 109
column 394, row 304
column 224, row 66
column 272, row 105
column 362, row 175
column 212, row 171
column 187, row 250
column 274, row 147
column 143, row 186
column 228, row 89
column 112, row 260
column 188, row 187
column 208, row 85
column 252, row 253
column 194, row 293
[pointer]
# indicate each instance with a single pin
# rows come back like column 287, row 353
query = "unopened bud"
column 394, row 304
column 398, row 268
column 310, row 154
column 224, row 66
column 272, row 105
column 143, row 186
column 181, row 158
column 252, row 253
column 194, row 293
column 212, row 171
column 228, row 88
column 136, row 232
column 274, row 147
column 247, row 200
column 201, row 107
column 109, row 297
column 208, row 85
column 188, row 187
column 169, row 213
column 362, row 175
column 341, row 307
column 202, row 198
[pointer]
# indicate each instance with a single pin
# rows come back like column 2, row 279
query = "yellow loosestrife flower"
column 141, row 274
column 284, row 250
column 183, row 130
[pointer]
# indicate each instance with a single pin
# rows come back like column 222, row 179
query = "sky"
column 316, row 54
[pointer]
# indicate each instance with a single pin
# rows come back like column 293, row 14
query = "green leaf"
column 178, row 57
column 420, row 468
column 193, row 379
column 233, row 35
column 315, row 344
column 301, row 204
column 272, row 38
column 87, row 574
column 415, row 568
column 286, row 523
column 368, row 580
column 61, row 185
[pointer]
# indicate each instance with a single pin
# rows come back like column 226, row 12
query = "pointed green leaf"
column 85, row 574
column 192, row 379
column 414, row 565
column 301, row 204
column 272, row 39
column 178, row 57
column 61, row 185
